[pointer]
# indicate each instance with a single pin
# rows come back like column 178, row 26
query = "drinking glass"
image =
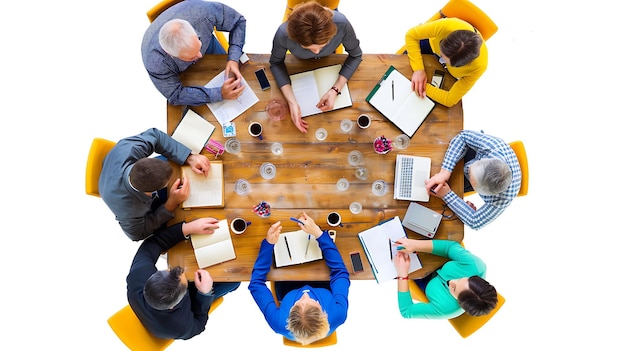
column 356, row 207
column 321, row 134
column 277, row 109
column 277, row 148
column 242, row 187
column 343, row 184
column 268, row 170
column 232, row 146
column 361, row 173
column 401, row 142
column 379, row 187
column 346, row 125
column 355, row 157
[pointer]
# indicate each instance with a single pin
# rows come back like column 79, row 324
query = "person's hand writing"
column 327, row 102
column 206, row 225
column 232, row 88
column 309, row 225
column 199, row 164
column 418, row 83
column 402, row 261
column 273, row 233
column 296, row 117
column 203, row 281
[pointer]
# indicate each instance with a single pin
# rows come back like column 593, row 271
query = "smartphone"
column 438, row 79
column 357, row 264
column 262, row 78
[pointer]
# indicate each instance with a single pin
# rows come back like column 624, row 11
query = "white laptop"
column 422, row 220
column 411, row 175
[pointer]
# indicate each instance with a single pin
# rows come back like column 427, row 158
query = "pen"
column 307, row 245
column 390, row 252
column 287, row 244
column 392, row 91
column 297, row 220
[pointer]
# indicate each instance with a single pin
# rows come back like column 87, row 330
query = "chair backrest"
column 470, row 13
column 331, row 4
column 135, row 336
column 157, row 9
column 520, row 152
column 98, row 151
column 327, row 341
column 464, row 324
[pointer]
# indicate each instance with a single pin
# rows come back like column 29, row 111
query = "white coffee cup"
column 256, row 129
column 364, row 121
column 334, row 219
column 239, row 225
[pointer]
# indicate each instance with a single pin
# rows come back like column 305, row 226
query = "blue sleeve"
column 339, row 279
column 259, row 290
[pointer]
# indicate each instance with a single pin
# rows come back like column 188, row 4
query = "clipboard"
column 393, row 98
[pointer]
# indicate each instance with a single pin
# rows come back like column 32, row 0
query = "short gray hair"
column 176, row 35
column 492, row 176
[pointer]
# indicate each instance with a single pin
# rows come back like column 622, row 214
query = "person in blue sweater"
column 307, row 310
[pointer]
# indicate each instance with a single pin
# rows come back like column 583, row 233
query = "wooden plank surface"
column 308, row 169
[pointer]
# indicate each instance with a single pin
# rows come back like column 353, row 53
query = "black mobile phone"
column 357, row 264
column 262, row 78
column 438, row 79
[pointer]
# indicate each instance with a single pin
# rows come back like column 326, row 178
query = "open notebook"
column 309, row 87
column 211, row 249
column 411, row 175
column 295, row 248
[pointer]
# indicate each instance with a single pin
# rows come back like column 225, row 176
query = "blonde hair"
column 311, row 24
column 307, row 324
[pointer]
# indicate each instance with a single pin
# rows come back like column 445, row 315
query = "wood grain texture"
column 308, row 170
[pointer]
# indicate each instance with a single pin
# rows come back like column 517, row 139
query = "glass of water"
column 401, row 142
column 343, row 184
column 321, row 134
column 356, row 207
column 361, row 173
column 268, row 170
column 232, row 146
column 346, row 125
column 355, row 157
column 277, row 148
column 242, row 187
column 379, row 187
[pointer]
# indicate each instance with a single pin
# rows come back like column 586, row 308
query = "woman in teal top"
column 457, row 287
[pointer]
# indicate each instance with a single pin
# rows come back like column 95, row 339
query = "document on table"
column 227, row 110
column 309, row 87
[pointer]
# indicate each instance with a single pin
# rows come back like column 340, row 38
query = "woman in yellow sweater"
column 461, row 50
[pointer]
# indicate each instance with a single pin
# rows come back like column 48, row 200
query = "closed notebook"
column 309, row 87
column 296, row 248
column 205, row 191
column 193, row 131
column 212, row 249
column 377, row 243
column 395, row 100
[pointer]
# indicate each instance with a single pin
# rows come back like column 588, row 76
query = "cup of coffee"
column 334, row 219
column 364, row 121
column 239, row 225
column 255, row 129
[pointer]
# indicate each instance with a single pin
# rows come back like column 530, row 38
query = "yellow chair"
column 155, row 11
column 331, row 4
column 327, row 341
column 98, row 151
column 520, row 152
column 135, row 336
column 464, row 324
column 468, row 12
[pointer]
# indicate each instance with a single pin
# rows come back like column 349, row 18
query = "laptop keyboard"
column 405, row 179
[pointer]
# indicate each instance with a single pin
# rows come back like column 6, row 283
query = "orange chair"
column 331, row 4
column 135, row 336
column 327, row 341
column 157, row 9
column 468, row 12
column 464, row 324
column 98, row 151
column 520, row 152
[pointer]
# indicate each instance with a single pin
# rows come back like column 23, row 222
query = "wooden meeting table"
column 308, row 169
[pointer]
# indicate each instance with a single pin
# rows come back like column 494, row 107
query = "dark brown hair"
column 461, row 47
column 150, row 174
column 311, row 24
column 480, row 298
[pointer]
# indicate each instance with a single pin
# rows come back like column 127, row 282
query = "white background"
column 72, row 71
